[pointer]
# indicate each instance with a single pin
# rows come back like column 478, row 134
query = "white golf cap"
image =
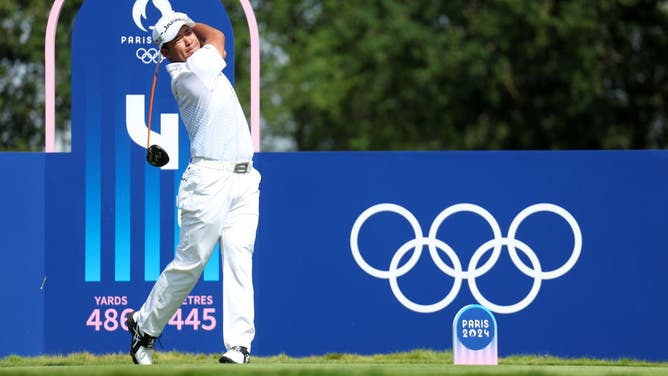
column 168, row 26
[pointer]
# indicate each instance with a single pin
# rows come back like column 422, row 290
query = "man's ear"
column 165, row 51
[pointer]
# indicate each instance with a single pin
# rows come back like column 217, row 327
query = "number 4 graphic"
column 135, row 124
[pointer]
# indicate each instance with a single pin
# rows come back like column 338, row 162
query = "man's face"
column 181, row 47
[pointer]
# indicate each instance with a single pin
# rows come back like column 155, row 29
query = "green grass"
column 418, row 362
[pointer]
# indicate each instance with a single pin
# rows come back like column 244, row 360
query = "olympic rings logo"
column 148, row 56
column 473, row 271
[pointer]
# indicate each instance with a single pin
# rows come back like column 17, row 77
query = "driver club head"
column 156, row 156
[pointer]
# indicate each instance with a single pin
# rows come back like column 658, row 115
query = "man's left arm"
column 210, row 35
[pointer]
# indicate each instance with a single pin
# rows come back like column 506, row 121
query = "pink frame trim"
column 254, row 73
column 50, row 75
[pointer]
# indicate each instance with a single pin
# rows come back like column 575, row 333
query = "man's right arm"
column 210, row 35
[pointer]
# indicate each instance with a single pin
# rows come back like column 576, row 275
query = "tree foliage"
column 418, row 75
column 22, row 72
column 466, row 74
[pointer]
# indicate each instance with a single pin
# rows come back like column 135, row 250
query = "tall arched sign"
column 127, row 207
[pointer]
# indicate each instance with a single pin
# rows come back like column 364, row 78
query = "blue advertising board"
column 312, row 289
column 22, row 239
column 596, row 291
column 566, row 248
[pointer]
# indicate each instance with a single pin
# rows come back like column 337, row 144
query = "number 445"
column 208, row 321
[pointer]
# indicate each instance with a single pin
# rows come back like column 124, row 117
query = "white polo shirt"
column 210, row 109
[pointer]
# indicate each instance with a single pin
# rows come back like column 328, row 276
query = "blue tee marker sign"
column 474, row 336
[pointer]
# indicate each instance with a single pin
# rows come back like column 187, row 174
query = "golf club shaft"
column 150, row 106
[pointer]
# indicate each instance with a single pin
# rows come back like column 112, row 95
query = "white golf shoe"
column 237, row 355
column 141, row 347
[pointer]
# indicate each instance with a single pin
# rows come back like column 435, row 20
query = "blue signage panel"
column 375, row 252
column 22, row 237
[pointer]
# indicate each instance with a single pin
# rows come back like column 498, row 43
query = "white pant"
column 215, row 206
